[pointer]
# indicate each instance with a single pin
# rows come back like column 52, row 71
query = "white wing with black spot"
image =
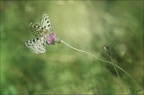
column 37, row 30
column 36, row 45
column 45, row 23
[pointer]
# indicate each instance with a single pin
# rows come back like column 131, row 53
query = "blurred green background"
column 87, row 25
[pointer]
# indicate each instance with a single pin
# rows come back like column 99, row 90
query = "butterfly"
column 43, row 35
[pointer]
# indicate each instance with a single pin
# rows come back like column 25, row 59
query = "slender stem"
column 114, row 67
column 97, row 58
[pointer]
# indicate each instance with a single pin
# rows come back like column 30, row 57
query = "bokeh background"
column 86, row 25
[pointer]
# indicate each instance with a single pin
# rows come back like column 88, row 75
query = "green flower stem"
column 97, row 58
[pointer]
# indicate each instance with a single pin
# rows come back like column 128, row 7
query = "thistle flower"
column 51, row 38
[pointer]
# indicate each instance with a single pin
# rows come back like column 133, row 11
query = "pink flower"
column 51, row 38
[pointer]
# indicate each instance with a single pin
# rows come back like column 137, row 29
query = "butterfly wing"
column 40, row 30
column 37, row 30
column 36, row 45
column 45, row 23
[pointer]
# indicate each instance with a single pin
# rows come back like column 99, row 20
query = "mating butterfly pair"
column 43, row 34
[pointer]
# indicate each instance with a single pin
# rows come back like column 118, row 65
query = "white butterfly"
column 42, row 33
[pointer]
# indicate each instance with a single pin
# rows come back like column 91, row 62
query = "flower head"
column 107, row 49
column 51, row 38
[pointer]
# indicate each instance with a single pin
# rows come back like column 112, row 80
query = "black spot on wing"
column 46, row 19
column 49, row 25
column 37, row 38
column 34, row 40
column 28, row 43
